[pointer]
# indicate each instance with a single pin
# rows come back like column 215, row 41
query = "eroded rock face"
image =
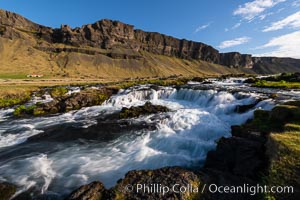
column 235, row 60
column 123, row 41
column 109, row 34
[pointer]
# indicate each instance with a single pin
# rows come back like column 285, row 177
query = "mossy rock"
column 8, row 102
column 283, row 113
column 23, row 110
column 101, row 98
column 38, row 112
column 58, row 91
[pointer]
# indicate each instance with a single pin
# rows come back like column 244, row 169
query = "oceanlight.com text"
column 210, row 188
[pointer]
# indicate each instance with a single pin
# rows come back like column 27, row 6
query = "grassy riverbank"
column 281, row 84
column 15, row 94
column 283, row 81
column 282, row 124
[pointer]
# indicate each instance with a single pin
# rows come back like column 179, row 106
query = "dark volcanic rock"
column 235, row 60
column 86, row 98
column 168, row 176
column 7, row 190
column 127, row 188
column 238, row 156
column 245, row 108
column 92, row 191
column 146, row 109
column 103, row 131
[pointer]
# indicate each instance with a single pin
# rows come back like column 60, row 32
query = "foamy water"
column 198, row 118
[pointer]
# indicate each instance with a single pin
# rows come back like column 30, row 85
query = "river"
column 56, row 154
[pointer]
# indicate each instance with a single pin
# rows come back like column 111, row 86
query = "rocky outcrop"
column 235, row 60
column 168, row 176
column 145, row 184
column 108, row 34
column 64, row 102
column 146, row 109
column 238, row 156
column 86, row 98
column 92, row 191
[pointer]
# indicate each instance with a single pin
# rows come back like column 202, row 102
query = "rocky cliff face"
column 107, row 34
column 235, row 59
column 124, row 39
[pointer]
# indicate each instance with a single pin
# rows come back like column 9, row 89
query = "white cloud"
column 236, row 26
column 292, row 21
column 234, row 42
column 200, row 28
column 285, row 46
column 254, row 8
column 263, row 16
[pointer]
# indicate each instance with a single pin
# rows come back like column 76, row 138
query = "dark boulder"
column 152, row 181
column 146, row 109
column 7, row 190
column 238, row 156
column 127, row 188
column 92, row 191
column 250, row 80
column 245, row 108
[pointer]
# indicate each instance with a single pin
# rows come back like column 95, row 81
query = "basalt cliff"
column 113, row 49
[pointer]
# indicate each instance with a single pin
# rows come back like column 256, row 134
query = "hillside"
column 111, row 49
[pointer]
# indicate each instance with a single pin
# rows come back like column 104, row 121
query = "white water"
column 183, row 138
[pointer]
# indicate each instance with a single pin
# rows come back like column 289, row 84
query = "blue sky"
column 259, row 27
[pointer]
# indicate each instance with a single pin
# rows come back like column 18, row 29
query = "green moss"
column 58, row 91
column 8, row 102
column 261, row 121
column 23, row 110
column 283, row 149
column 38, row 112
column 275, row 120
column 281, row 84
column 101, row 98
column 285, row 161
column 19, row 110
